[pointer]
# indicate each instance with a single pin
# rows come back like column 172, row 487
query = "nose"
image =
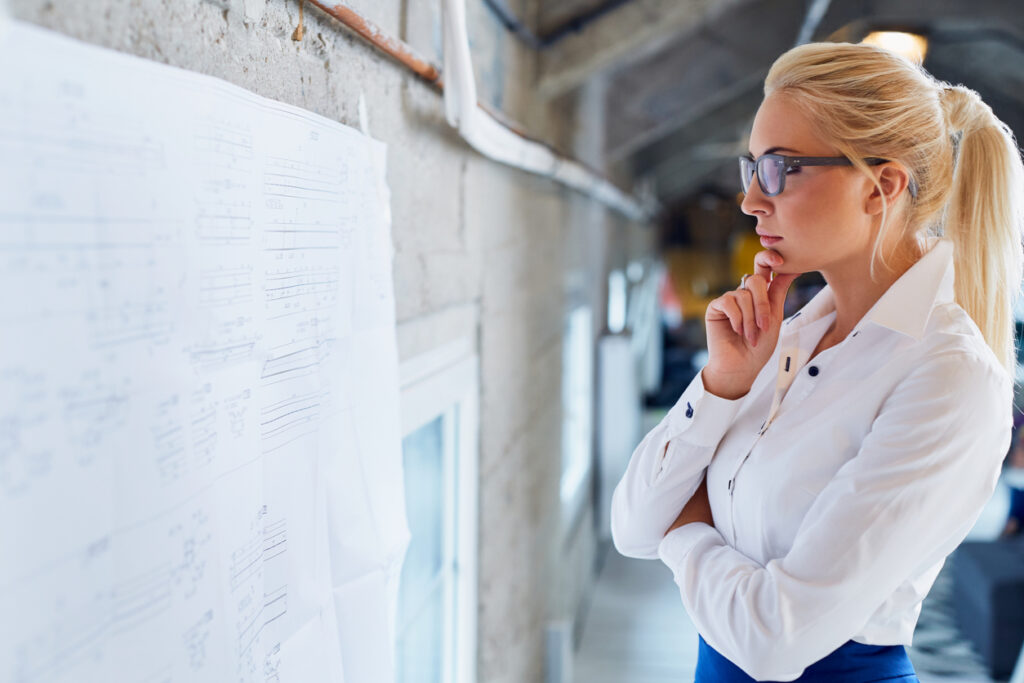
column 754, row 202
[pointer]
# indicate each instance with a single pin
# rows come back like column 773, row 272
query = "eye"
column 792, row 170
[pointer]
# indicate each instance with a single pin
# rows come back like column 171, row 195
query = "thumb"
column 777, row 290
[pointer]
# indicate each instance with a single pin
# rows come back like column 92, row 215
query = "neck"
column 855, row 294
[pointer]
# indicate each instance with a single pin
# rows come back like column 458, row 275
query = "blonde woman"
column 810, row 482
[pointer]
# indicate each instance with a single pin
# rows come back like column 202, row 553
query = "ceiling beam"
column 724, row 59
column 651, row 143
column 633, row 31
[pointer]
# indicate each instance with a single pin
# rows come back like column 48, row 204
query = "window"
column 426, row 591
column 617, row 295
column 435, row 626
column 577, row 407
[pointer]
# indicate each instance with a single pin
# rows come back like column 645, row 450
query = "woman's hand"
column 697, row 509
column 743, row 328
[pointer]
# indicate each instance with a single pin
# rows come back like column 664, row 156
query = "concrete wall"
column 480, row 250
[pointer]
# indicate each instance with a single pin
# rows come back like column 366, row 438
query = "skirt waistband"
column 851, row 662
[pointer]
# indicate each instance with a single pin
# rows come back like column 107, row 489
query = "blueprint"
column 200, row 467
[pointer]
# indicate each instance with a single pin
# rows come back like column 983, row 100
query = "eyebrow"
column 770, row 150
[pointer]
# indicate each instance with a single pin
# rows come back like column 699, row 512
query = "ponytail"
column 984, row 217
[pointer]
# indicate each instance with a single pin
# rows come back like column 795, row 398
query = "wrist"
column 729, row 388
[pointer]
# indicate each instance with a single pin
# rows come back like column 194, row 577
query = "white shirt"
column 837, row 487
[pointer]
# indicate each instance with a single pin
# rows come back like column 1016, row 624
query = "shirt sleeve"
column 904, row 502
column 666, row 468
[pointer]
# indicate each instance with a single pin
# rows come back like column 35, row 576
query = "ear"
column 893, row 180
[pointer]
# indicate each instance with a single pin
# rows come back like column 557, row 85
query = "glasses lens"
column 770, row 171
column 746, row 172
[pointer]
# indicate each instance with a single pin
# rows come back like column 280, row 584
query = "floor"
column 636, row 630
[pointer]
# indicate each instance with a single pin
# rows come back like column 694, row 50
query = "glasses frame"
column 788, row 163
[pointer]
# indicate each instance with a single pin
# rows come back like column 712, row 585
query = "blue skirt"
column 850, row 663
column 1017, row 504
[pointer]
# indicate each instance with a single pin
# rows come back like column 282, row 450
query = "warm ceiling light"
column 910, row 45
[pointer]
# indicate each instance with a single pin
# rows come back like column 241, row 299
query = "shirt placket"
column 789, row 364
column 792, row 358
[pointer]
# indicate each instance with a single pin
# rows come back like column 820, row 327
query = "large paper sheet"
column 200, row 468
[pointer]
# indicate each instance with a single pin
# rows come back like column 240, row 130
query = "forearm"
column 666, row 470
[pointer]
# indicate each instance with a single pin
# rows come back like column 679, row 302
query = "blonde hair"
column 963, row 161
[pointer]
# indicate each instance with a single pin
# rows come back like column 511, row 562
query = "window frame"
column 444, row 382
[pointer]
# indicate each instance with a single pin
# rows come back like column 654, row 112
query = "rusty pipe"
column 529, row 154
column 398, row 50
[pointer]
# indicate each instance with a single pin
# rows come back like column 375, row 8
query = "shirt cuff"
column 716, row 414
column 678, row 543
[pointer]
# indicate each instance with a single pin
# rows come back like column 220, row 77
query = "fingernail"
column 760, row 322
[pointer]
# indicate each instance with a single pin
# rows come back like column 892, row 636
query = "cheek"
column 817, row 210
column 805, row 218
column 812, row 228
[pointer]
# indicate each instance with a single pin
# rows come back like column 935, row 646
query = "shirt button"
column 689, row 410
column 813, row 371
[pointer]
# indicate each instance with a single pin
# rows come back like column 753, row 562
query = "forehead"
column 780, row 123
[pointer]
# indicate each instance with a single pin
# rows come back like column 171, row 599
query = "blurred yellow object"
column 910, row 45
column 744, row 247
column 698, row 275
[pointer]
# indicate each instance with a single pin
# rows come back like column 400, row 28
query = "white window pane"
column 617, row 292
column 577, row 402
column 420, row 646
column 424, row 489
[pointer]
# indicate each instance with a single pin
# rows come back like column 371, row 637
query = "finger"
column 778, row 286
column 764, row 261
column 758, row 288
column 727, row 307
column 746, row 304
column 777, row 292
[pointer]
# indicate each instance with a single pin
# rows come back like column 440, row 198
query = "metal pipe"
column 498, row 142
column 494, row 138
column 541, row 42
column 399, row 50
column 815, row 13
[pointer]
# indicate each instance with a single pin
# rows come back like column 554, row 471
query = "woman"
column 850, row 448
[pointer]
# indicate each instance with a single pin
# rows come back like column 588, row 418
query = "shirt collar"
column 906, row 306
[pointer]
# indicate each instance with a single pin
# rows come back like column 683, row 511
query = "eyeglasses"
column 771, row 169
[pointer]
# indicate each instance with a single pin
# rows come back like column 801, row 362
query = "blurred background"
column 545, row 325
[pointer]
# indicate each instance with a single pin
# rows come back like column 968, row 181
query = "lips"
column 769, row 240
